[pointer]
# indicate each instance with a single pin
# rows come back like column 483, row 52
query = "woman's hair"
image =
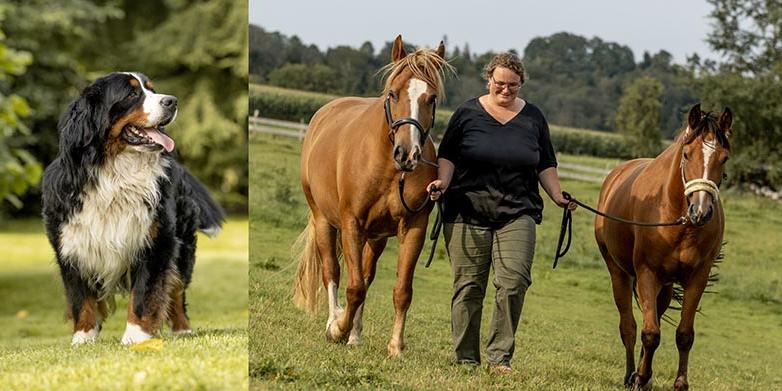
column 506, row 60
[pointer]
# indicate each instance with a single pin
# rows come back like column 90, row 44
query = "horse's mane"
column 425, row 65
column 708, row 123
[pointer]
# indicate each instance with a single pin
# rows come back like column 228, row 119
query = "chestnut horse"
column 682, row 181
column 353, row 155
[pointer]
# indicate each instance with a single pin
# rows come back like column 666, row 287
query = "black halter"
column 393, row 126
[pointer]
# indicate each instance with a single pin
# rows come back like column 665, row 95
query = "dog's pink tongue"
column 161, row 139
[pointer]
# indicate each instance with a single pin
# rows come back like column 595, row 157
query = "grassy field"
column 568, row 338
column 35, row 351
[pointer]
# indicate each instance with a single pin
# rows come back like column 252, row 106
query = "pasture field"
column 568, row 338
column 35, row 351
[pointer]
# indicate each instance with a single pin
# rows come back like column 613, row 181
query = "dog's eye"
column 133, row 95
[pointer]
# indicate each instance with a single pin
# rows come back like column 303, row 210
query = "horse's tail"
column 308, row 278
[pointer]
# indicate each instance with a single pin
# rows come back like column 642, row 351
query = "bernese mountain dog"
column 121, row 212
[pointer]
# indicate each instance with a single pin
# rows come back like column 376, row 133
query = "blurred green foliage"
column 638, row 116
column 18, row 168
column 195, row 50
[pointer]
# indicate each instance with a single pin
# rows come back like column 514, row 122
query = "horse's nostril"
column 416, row 154
column 399, row 153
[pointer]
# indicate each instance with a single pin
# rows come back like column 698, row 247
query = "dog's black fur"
column 88, row 142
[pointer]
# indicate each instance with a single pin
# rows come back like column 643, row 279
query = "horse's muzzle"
column 699, row 215
column 405, row 160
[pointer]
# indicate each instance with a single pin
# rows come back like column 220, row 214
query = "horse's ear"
column 726, row 122
column 441, row 50
column 695, row 116
column 398, row 50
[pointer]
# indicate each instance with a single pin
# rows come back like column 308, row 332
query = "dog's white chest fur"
column 118, row 210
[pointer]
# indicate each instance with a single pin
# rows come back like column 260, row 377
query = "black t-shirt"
column 496, row 166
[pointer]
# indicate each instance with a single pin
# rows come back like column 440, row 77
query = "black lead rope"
column 567, row 224
column 438, row 223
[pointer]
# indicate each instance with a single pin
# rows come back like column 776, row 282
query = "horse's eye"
column 686, row 157
column 393, row 95
column 432, row 99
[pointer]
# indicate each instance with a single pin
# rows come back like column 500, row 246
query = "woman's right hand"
column 436, row 189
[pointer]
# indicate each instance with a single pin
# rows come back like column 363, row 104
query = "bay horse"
column 352, row 157
column 682, row 181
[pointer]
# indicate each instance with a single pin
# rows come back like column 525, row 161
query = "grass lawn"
column 35, row 351
column 568, row 338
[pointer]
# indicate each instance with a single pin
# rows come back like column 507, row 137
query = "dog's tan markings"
column 154, row 230
column 176, row 310
column 156, row 304
column 133, row 82
column 149, row 85
column 89, row 315
column 114, row 146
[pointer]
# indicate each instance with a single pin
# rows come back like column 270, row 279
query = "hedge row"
column 299, row 106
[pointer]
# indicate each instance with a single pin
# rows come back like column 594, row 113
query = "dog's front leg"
column 153, row 278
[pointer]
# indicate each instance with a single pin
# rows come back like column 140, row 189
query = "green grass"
column 568, row 337
column 35, row 351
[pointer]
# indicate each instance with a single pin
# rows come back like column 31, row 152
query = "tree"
column 19, row 170
column 318, row 78
column 747, row 33
column 638, row 116
column 53, row 34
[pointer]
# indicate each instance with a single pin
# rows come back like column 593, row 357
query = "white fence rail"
column 297, row 130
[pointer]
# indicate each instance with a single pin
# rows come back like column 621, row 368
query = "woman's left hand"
column 562, row 202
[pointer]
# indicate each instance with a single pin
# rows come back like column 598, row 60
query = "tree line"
column 578, row 81
column 591, row 83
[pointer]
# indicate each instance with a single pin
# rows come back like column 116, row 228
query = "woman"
column 493, row 154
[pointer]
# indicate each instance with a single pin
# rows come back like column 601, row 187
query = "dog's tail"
column 211, row 215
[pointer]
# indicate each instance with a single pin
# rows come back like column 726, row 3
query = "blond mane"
column 425, row 65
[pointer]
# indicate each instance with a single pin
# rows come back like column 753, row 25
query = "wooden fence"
column 296, row 130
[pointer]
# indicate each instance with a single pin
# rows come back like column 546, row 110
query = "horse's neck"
column 669, row 162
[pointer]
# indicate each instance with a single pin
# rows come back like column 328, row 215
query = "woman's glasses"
column 511, row 86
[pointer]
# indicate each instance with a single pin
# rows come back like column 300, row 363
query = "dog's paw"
column 134, row 334
column 82, row 337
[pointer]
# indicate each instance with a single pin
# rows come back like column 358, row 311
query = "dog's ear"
column 82, row 128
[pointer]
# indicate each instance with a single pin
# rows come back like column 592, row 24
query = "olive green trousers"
column 473, row 251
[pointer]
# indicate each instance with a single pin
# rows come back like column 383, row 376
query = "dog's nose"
column 168, row 102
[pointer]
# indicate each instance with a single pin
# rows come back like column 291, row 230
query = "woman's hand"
column 562, row 202
column 436, row 189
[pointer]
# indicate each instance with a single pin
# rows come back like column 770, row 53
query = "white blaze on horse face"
column 415, row 89
column 708, row 147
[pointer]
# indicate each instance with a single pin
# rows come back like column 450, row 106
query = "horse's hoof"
column 395, row 350
column 630, row 379
column 681, row 384
column 354, row 340
column 334, row 334
column 640, row 384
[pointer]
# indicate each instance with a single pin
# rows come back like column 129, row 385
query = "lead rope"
column 567, row 225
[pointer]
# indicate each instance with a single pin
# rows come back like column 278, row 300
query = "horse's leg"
column 372, row 251
column 326, row 241
column 648, row 291
column 622, row 286
column 353, row 239
column 685, row 333
column 411, row 233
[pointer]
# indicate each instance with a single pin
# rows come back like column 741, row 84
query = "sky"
column 680, row 27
